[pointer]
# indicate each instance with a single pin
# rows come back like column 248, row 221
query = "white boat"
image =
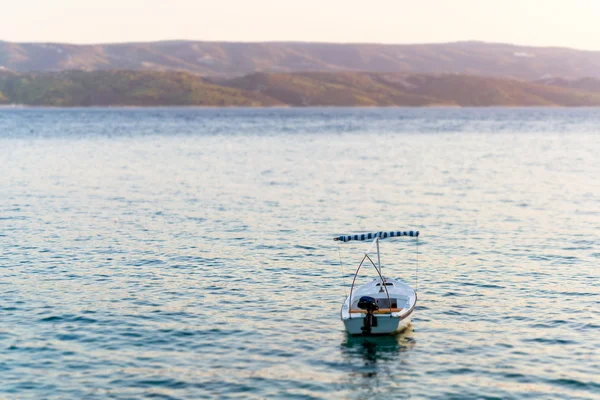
column 383, row 306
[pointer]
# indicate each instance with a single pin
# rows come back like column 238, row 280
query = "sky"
column 565, row 23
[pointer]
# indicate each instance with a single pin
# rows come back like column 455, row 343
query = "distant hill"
column 582, row 84
column 152, row 88
column 403, row 89
column 224, row 59
column 120, row 88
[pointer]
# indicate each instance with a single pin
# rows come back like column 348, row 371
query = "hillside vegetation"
column 152, row 88
column 369, row 89
column 582, row 84
column 225, row 59
column 120, row 88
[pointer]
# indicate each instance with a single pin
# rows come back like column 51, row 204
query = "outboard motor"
column 368, row 304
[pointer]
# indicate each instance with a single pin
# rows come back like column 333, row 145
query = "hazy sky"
column 571, row 23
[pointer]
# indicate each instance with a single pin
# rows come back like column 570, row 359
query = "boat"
column 383, row 306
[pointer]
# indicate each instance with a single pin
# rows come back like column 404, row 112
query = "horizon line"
column 471, row 41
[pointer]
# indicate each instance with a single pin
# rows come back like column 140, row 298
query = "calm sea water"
column 187, row 253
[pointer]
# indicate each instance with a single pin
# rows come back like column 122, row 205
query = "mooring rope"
column 342, row 267
column 417, row 274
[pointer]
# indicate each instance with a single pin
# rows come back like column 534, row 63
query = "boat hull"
column 396, row 302
column 386, row 325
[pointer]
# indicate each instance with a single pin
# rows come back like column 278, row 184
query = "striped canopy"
column 371, row 236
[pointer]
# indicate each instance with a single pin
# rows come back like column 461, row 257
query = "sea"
column 187, row 253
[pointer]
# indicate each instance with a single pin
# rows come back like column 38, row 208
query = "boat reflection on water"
column 374, row 349
column 375, row 361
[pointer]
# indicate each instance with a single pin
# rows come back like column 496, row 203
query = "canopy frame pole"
column 352, row 287
column 382, row 284
column 366, row 257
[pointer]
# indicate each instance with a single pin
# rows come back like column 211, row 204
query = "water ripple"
column 187, row 253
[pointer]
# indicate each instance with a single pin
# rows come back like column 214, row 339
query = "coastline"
column 279, row 107
column 127, row 89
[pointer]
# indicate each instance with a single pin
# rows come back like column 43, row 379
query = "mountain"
column 405, row 89
column 227, row 59
column 153, row 88
column 120, row 88
column 582, row 84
